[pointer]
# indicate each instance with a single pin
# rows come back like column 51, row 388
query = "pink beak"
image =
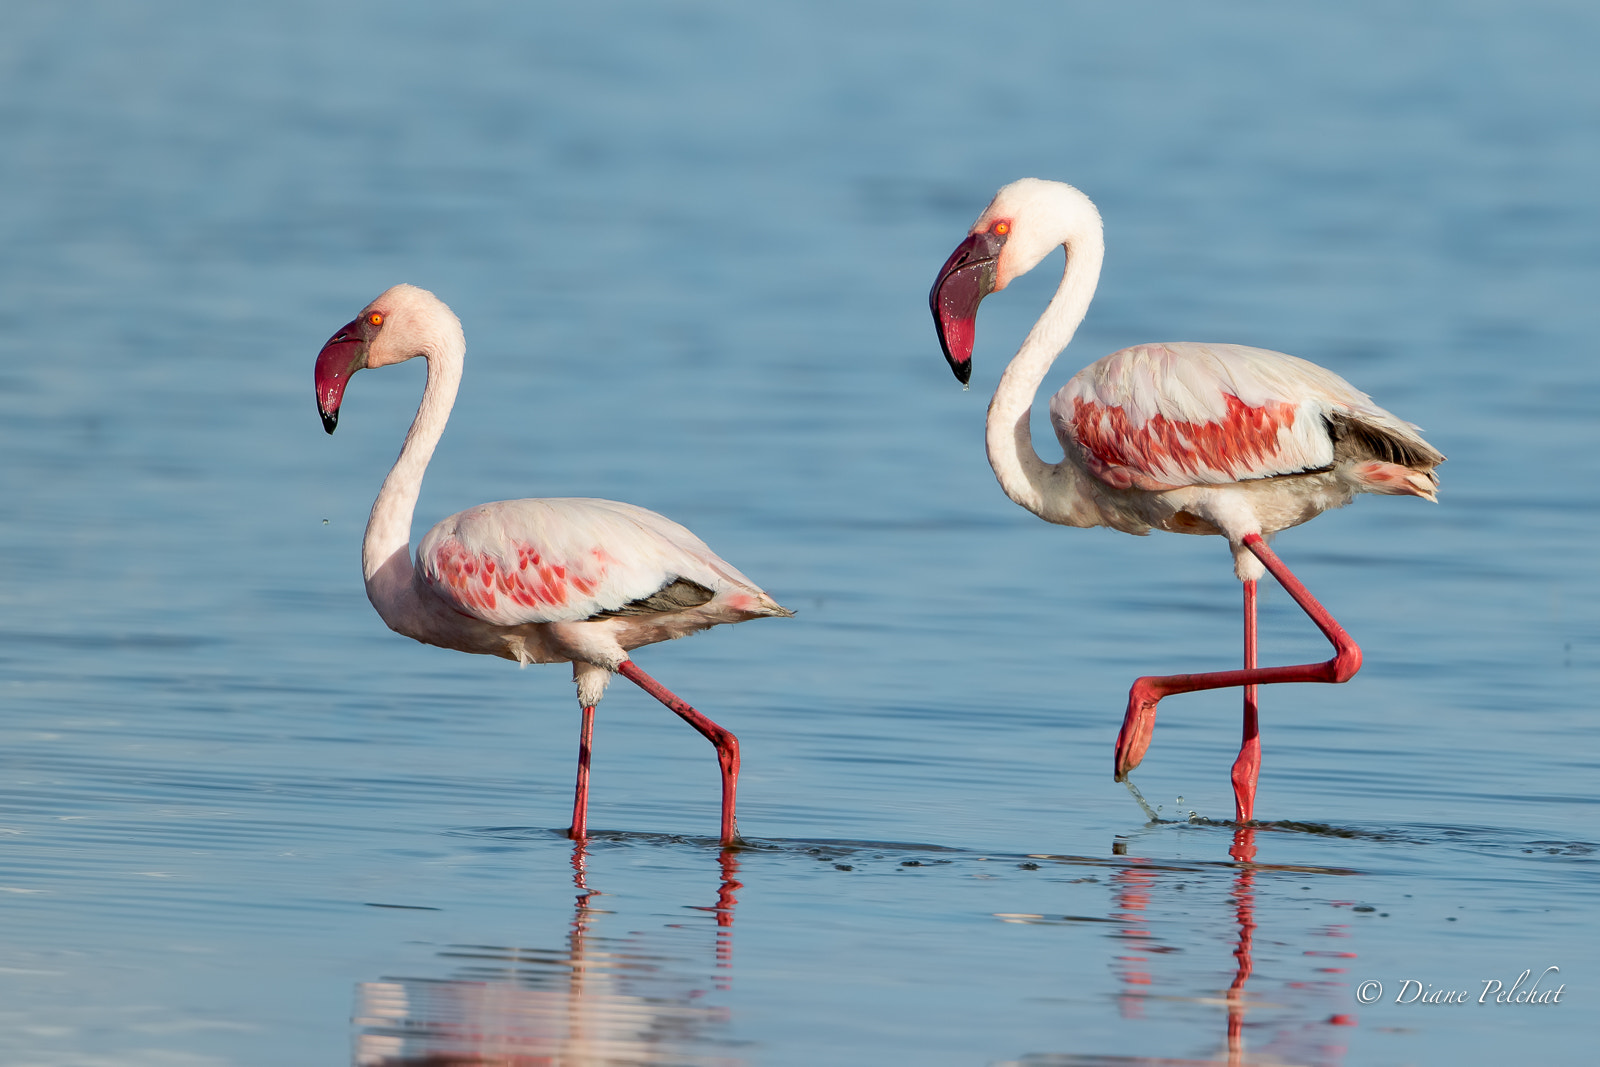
column 343, row 355
column 964, row 280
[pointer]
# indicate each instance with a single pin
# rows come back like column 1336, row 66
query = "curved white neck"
column 387, row 546
column 1054, row 492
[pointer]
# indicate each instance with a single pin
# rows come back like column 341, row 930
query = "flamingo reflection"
column 1295, row 1023
column 600, row 999
column 1244, row 911
column 1134, row 886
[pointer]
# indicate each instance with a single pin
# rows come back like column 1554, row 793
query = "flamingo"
column 535, row 581
column 1185, row 437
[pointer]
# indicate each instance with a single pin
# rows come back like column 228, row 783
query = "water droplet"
column 324, row 522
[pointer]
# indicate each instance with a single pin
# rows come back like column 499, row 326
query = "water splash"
column 1149, row 812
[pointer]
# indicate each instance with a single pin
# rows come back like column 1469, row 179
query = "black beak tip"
column 330, row 419
column 963, row 372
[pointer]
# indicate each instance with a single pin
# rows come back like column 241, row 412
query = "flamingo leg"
column 1146, row 693
column 726, row 744
column 1248, row 765
column 580, row 796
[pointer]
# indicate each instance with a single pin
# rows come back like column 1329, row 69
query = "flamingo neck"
column 1053, row 491
column 386, row 551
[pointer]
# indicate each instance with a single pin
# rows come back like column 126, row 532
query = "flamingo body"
column 522, row 564
column 1161, row 424
column 576, row 580
column 1185, row 437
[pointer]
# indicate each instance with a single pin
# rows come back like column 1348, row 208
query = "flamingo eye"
column 376, row 318
column 1001, row 229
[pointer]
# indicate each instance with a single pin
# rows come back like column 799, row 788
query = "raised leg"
column 1146, row 693
column 727, row 745
column 580, row 797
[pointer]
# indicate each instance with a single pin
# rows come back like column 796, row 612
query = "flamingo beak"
column 964, row 280
column 343, row 355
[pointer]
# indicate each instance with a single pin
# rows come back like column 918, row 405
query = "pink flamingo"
column 1189, row 438
column 534, row 581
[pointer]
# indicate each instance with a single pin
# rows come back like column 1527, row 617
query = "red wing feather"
column 1161, row 416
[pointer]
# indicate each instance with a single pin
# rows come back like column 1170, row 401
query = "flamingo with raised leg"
column 1184, row 437
column 568, row 580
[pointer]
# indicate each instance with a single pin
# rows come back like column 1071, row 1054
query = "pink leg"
column 580, row 797
column 727, row 745
column 1146, row 693
column 1248, row 765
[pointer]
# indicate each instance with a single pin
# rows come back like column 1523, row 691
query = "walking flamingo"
column 534, row 581
column 1189, row 438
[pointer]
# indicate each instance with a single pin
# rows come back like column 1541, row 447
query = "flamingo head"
column 402, row 323
column 1021, row 225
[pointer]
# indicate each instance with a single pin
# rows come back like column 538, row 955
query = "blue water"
column 243, row 823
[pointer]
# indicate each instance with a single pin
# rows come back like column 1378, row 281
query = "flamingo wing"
column 566, row 559
column 1160, row 416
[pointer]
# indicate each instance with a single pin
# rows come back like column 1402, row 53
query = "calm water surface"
column 243, row 823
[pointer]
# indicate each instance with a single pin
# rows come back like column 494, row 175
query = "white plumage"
column 568, row 560
column 1214, row 404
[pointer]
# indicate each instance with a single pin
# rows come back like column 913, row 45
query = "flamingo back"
column 515, row 562
column 1161, row 416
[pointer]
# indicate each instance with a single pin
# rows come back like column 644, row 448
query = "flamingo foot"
column 726, row 744
column 1245, row 770
column 1133, row 741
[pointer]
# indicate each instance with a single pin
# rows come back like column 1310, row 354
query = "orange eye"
column 376, row 318
column 1002, row 228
